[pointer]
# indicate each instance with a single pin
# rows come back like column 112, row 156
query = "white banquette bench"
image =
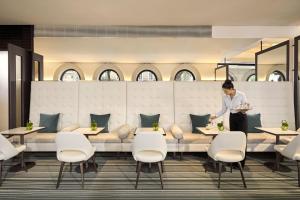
column 174, row 101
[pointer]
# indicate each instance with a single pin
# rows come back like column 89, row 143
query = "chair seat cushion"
column 148, row 156
column 2, row 156
column 194, row 138
column 229, row 156
column 105, row 138
column 20, row 148
column 279, row 148
column 71, row 156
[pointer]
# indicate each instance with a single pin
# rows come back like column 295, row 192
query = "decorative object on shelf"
column 155, row 126
column 220, row 126
column 29, row 125
column 93, row 125
column 284, row 125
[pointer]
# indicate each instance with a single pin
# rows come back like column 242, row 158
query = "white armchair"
column 228, row 147
column 74, row 147
column 7, row 151
column 290, row 151
column 149, row 147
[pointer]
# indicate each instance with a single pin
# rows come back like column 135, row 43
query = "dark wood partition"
column 18, row 41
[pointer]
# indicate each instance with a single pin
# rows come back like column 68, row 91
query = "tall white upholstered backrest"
column 51, row 97
column 174, row 101
column 149, row 141
column 103, row 97
column 197, row 98
column 150, row 98
column 274, row 100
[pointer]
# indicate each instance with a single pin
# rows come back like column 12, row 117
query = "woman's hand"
column 212, row 117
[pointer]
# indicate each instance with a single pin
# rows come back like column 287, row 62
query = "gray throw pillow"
column 199, row 121
column 50, row 122
column 253, row 121
column 148, row 120
column 101, row 120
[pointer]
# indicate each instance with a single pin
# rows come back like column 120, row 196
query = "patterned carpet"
column 183, row 179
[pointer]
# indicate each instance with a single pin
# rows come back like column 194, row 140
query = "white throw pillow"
column 176, row 132
column 124, row 131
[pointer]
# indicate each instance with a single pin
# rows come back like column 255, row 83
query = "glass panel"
column 146, row 76
column 184, row 75
column 70, row 75
column 18, row 90
column 109, row 75
column 241, row 72
column 270, row 62
column 221, row 74
column 36, row 70
column 251, row 78
column 276, row 76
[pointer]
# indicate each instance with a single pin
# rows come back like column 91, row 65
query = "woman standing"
column 232, row 99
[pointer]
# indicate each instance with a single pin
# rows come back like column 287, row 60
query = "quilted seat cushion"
column 37, row 138
column 105, row 138
column 257, row 138
column 192, row 138
column 169, row 138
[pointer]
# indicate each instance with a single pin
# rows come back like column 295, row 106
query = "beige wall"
column 206, row 70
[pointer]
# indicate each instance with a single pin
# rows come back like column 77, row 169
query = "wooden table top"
column 88, row 131
column 20, row 131
column 278, row 131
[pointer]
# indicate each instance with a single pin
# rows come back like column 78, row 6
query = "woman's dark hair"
column 228, row 85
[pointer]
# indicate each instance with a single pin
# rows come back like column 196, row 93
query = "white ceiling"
column 151, row 12
column 136, row 50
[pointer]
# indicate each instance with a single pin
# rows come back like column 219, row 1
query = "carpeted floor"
column 183, row 179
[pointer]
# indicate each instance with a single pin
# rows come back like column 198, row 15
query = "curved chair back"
column 6, row 148
column 292, row 148
column 234, row 140
column 150, row 141
column 73, row 141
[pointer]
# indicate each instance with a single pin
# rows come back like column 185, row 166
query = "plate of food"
column 243, row 107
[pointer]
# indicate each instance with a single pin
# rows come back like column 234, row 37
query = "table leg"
column 277, row 139
column 275, row 165
column 22, row 165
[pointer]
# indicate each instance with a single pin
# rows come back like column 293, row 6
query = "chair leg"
column 230, row 167
column 160, row 175
column 1, row 168
column 139, row 164
column 181, row 155
column 94, row 163
column 82, row 174
column 23, row 166
column 220, row 171
column 70, row 167
column 277, row 164
column 298, row 166
column 60, row 174
column 174, row 155
column 162, row 166
column 242, row 174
